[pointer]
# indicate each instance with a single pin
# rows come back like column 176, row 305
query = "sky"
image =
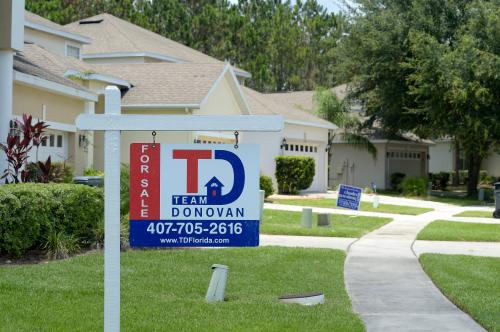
column 331, row 5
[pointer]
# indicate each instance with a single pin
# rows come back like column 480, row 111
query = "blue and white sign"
column 349, row 197
column 208, row 197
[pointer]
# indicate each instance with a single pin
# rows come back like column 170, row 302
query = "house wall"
column 407, row 158
column 441, row 157
column 492, row 164
column 60, row 109
column 55, row 44
column 269, row 143
column 357, row 167
column 270, row 147
column 221, row 101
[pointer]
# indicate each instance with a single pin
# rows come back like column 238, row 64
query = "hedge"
column 266, row 184
column 414, row 186
column 294, row 173
column 29, row 211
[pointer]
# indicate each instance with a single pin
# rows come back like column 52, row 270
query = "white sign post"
column 112, row 122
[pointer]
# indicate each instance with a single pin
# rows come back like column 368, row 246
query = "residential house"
column 354, row 166
column 444, row 157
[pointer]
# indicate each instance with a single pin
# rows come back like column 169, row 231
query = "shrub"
column 266, row 184
column 29, row 212
column 124, row 189
column 61, row 173
column 439, row 180
column 92, row 172
column 58, row 244
column 396, row 179
column 414, row 186
column 294, row 173
column 485, row 179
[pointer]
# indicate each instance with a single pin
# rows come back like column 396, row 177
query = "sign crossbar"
column 138, row 122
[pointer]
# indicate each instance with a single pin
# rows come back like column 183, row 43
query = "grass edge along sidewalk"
column 365, row 206
column 165, row 290
column 443, row 230
column 470, row 282
column 475, row 214
column 277, row 222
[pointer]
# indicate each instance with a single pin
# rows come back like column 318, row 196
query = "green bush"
column 30, row 212
column 61, row 173
column 414, row 186
column 396, row 179
column 294, row 173
column 92, row 172
column 124, row 189
column 439, row 180
column 266, row 184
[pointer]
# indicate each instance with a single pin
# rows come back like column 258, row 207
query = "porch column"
column 11, row 39
column 6, row 77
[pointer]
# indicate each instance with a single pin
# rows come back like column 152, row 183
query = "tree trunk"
column 474, row 168
column 456, row 178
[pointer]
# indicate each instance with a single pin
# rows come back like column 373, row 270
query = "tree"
column 428, row 67
column 329, row 107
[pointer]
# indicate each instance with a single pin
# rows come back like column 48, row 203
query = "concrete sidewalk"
column 489, row 249
column 340, row 243
column 388, row 287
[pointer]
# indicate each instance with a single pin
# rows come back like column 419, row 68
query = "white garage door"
column 55, row 145
column 309, row 150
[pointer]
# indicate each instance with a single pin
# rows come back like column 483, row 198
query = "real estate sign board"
column 349, row 197
column 192, row 195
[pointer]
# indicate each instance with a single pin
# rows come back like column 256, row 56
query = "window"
column 73, row 51
column 315, row 149
column 307, row 148
column 301, row 148
column 51, row 140
column 59, row 141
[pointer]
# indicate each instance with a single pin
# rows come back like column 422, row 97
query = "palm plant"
column 331, row 108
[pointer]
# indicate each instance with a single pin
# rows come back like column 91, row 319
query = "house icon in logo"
column 214, row 190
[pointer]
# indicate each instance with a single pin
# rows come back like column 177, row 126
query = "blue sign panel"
column 194, row 195
column 349, row 197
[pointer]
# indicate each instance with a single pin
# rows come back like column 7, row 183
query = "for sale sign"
column 194, row 195
column 349, row 197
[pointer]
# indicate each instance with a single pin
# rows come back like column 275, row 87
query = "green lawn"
column 478, row 214
column 288, row 222
column 365, row 206
column 460, row 201
column 442, row 230
column 165, row 291
column 470, row 282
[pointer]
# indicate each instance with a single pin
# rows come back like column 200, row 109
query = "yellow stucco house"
column 62, row 72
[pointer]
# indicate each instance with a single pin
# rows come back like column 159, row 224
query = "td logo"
column 214, row 186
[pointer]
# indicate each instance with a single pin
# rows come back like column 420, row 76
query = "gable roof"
column 67, row 66
column 112, row 36
column 166, row 85
column 304, row 100
column 39, row 23
column 263, row 104
column 30, row 73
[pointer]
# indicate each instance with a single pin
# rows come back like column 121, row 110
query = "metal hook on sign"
column 236, row 134
column 154, row 138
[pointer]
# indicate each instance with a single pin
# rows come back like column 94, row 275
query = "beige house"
column 357, row 167
column 443, row 158
column 63, row 70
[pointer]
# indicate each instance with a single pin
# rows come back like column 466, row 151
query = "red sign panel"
column 144, row 181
